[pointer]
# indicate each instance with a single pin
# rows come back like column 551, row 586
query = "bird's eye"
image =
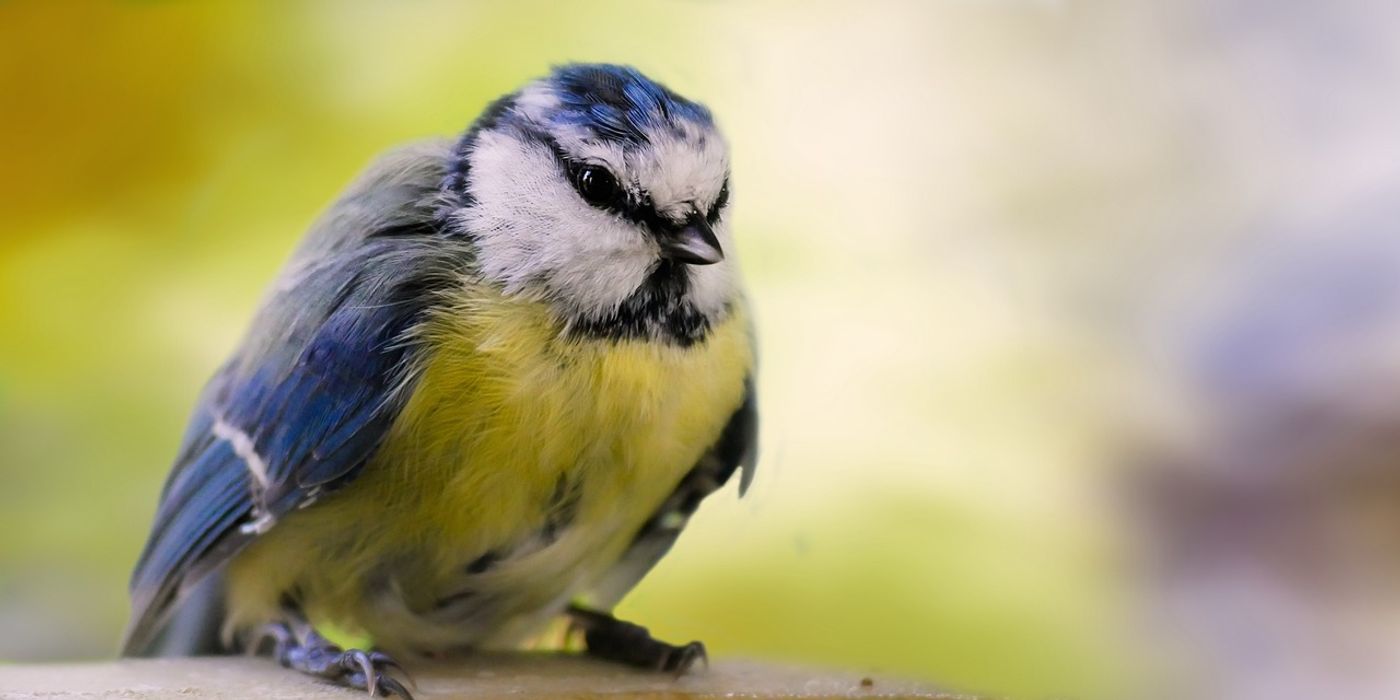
column 598, row 187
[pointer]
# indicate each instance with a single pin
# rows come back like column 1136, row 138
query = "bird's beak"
column 693, row 244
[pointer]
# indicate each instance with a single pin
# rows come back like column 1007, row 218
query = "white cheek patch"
column 536, row 236
column 535, row 233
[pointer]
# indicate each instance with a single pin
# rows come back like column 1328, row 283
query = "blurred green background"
column 945, row 210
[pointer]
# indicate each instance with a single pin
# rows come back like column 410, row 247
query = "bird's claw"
column 611, row 639
column 312, row 654
column 367, row 670
column 385, row 685
column 679, row 660
column 373, row 668
column 358, row 664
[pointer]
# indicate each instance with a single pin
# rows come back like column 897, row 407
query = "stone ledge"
column 515, row 676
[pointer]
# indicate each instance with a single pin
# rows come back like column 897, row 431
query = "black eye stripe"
column 636, row 208
column 574, row 170
column 720, row 201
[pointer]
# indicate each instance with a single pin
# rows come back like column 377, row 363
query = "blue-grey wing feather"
column 313, row 389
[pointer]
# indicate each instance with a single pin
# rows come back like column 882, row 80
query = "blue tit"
column 487, row 392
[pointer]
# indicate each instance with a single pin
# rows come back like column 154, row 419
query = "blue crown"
column 613, row 103
column 618, row 103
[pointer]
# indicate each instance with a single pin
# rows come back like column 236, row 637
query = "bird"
column 492, row 384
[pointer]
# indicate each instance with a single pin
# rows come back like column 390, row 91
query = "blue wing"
column 304, row 403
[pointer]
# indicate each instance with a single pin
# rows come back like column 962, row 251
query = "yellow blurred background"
column 987, row 239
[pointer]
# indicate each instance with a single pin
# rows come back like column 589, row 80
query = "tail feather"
column 193, row 630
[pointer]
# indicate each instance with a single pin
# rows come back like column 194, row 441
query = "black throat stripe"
column 657, row 310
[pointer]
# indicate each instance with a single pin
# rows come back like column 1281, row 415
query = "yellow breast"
column 512, row 430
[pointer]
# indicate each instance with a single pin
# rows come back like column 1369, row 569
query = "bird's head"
column 604, row 194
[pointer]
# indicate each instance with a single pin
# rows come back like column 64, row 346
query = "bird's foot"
column 314, row 655
column 611, row 639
